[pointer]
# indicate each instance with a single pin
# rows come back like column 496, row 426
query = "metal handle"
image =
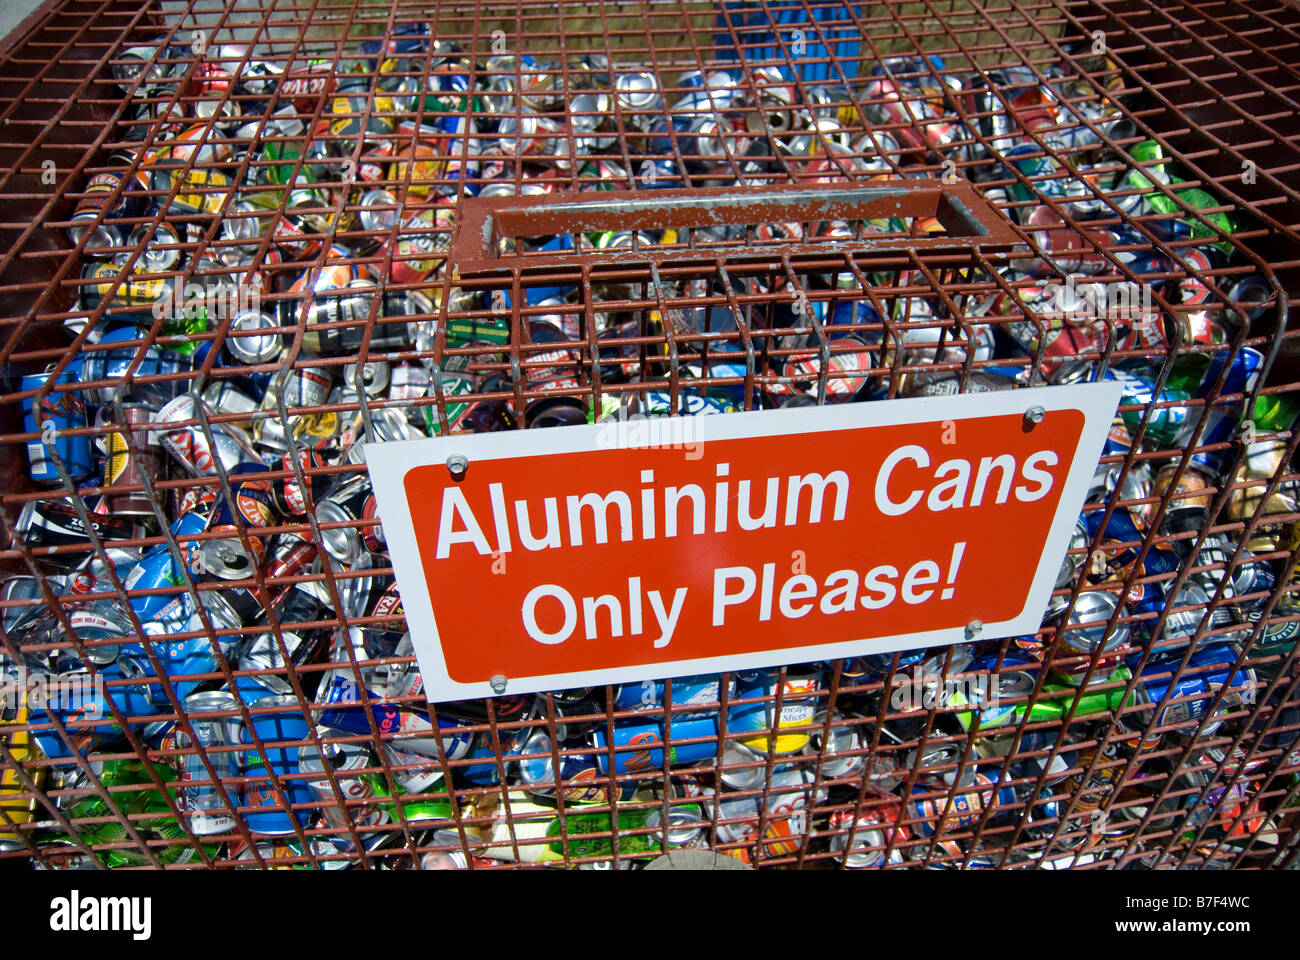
column 967, row 217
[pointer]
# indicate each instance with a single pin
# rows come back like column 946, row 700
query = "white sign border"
column 389, row 463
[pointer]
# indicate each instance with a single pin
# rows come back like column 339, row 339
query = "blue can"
column 1161, row 559
column 648, row 739
column 1124, row 526
column 724, row 364
column 689, row 404
column 1013, row 685
column 1033, row 767
column 586, row 782
column 1119, row 441
column 1146, row 601
column 389, row 719
column 58, row 411
column 191, row 657
column 143, row 698
column 484, row 773
column 852, row 311
column 535, row 295
column 966, row 808
column 1244, row 366
column 403, row 38
column 1220, row 428
column 115, row 363
column 879, row 663
column 77, row 698
column 157, row 569
column 267, row 816
column 661, row 136
column 255, row 689
column 1208, row 669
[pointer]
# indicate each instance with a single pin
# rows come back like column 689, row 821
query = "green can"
column 1168, row 423
column 1035, row 165
column 462, row 331
column 1275, row 640
column 686, row 824
column 1194, row 197
column 418, row 797
column 430, row 805
column 158, row 825
column 280, row 159
column 453, row 385
column 1275, row 412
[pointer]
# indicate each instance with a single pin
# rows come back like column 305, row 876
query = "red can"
column 1076, row 249
column 418, row 244
column 878, row 838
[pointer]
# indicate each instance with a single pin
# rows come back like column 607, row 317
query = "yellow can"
column 19, row 806
column 798, row 706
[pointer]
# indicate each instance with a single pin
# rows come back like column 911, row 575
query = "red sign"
column 639, row 549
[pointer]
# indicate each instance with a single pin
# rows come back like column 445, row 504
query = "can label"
column 306, row 388
column 98, row 192
column 117, row 459
column 130, row 292
column 254, row 500
column 201, row 179
column 797, row 709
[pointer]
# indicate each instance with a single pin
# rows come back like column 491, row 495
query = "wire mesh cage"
column 242, row 240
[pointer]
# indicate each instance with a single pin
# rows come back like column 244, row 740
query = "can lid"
column 742, row 779
column 843, row 739
column 263, row 347
column 160, row 253
column 101, row 235
column 685, row 824
column 1094, row 608
column 379, row 210
column 226, row 558
column 210, row 701
column 339, row 757
column 637, row 89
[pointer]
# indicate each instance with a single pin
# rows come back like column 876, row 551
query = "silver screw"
column 974, row 629
column 498, row 684
column 1035, row 414
column 457, row 463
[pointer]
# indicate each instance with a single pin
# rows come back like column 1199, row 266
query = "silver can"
column 208, row 806
column 1085, row 630
column 343, row 760
column 638, row 96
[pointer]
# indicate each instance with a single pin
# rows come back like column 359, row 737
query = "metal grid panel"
column 1142, row 151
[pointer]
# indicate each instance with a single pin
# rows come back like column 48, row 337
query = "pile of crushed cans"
column 324, row 199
